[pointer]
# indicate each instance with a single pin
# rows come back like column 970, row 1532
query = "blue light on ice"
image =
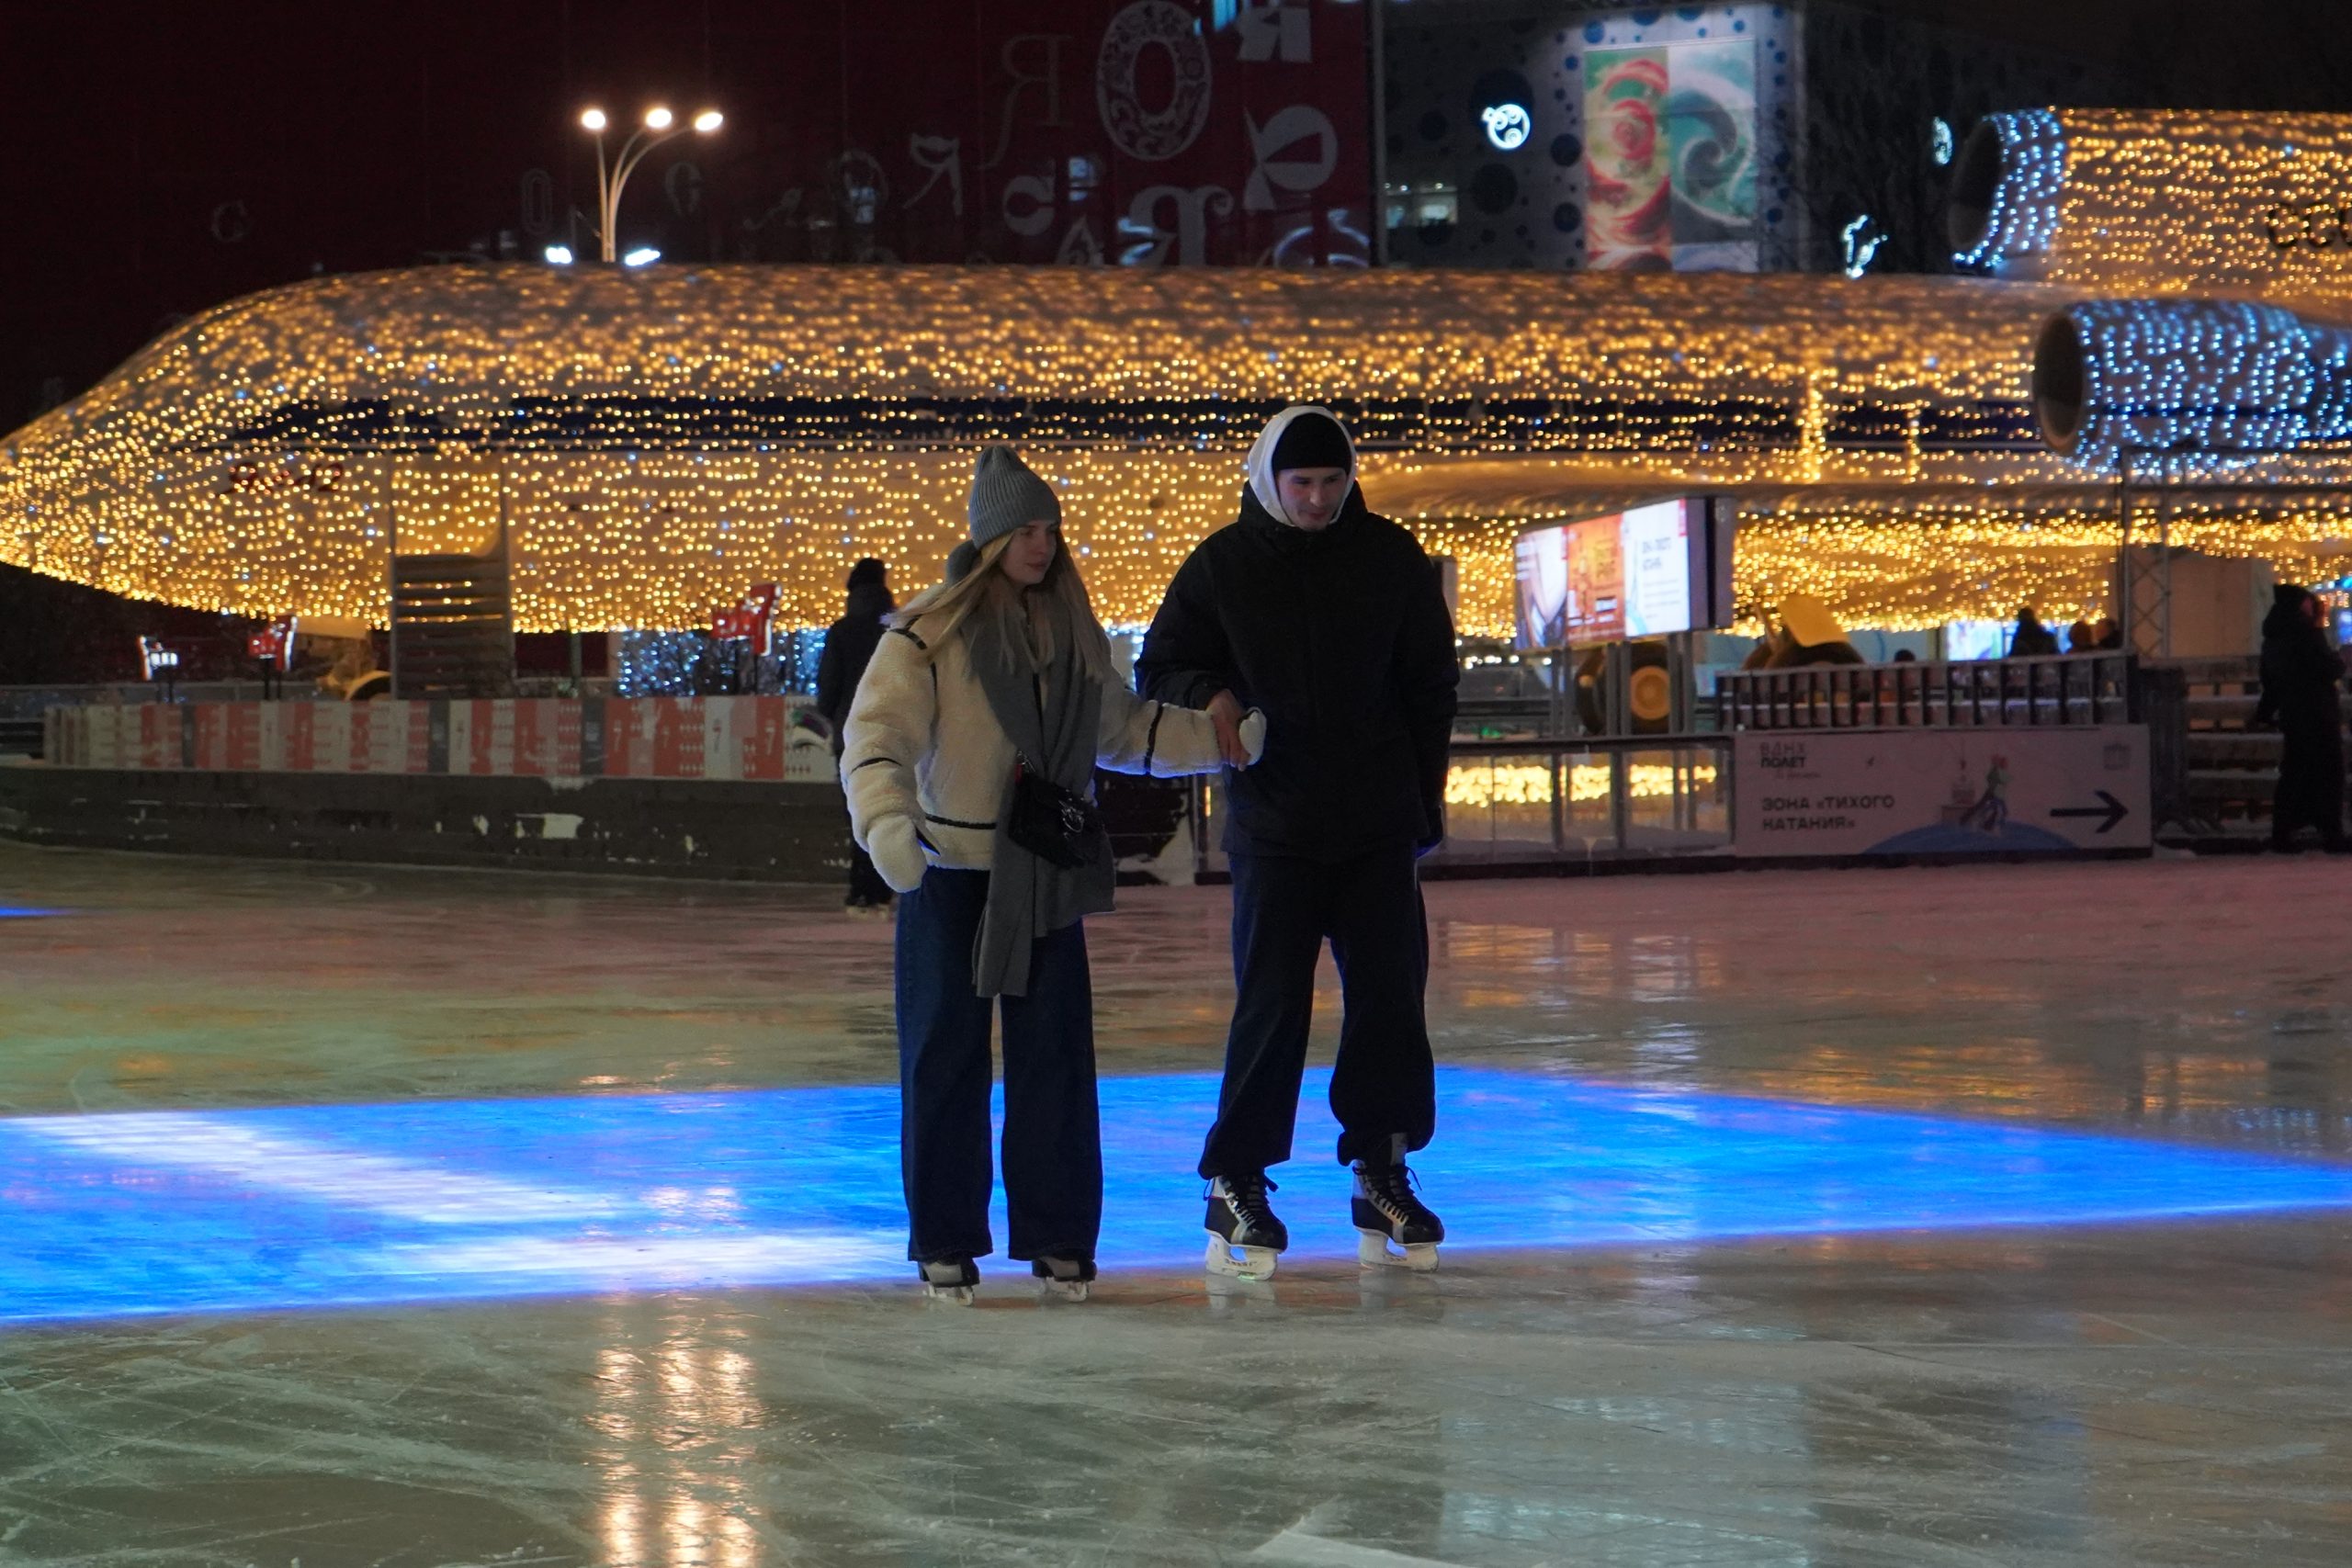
column 18, row 912
column 172, row 1211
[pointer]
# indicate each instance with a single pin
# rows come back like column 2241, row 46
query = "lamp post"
column 660, row 126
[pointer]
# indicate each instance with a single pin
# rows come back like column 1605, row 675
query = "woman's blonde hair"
column 1017, row 612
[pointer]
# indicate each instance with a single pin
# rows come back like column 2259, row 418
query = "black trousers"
column 1053, row 1138
column 865, row 884
column 2311, row 781
column 1283, row 910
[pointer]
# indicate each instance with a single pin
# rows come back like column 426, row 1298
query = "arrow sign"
column 2114, row 811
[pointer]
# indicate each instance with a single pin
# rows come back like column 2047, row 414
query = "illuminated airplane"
column 647, row 441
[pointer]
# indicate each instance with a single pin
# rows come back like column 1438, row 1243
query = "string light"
column 2163, row 201
column 653, row 440
column 2206, row 376
column 2021, row 213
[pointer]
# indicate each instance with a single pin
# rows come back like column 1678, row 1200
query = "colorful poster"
column 1672, row 137
column 1630, row 228
column 1711, row 124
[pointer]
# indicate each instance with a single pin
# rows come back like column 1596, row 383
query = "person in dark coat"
column 848, row 648
column 1334, row 622
column 2301, row 684
column 2032, row 639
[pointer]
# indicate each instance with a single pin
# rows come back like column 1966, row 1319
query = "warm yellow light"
column 657, row 119
column 709, row 121
column 593, row 118
column 245, row 460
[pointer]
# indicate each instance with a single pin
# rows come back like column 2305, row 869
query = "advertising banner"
column 1647, row 571
column 1941, row 791
column 1673, row 135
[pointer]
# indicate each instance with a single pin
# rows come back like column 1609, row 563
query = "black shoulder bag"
column 1056, row 825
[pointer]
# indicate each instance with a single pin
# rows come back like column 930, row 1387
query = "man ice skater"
column 1332, row 621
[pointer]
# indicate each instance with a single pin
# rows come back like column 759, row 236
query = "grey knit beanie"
column 1006, row 495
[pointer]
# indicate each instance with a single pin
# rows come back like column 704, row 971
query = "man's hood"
column 1261, row 457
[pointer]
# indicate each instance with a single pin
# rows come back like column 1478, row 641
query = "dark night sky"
column 169, row 155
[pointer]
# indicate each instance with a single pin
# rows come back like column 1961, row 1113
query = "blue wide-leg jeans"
column 1053, row 1138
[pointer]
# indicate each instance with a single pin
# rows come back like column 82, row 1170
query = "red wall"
column 168, row 157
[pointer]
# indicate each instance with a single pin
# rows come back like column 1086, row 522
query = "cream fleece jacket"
column 925, row 763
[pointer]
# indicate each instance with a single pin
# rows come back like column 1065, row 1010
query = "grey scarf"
column 1053, row 717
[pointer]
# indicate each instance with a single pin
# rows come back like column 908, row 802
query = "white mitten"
column 1253, row 733
column 898, row 853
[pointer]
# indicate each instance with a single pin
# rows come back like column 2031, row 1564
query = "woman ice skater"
column 971, row 751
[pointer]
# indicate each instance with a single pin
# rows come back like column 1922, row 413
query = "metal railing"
column 2068, row 689
column 1541, row 802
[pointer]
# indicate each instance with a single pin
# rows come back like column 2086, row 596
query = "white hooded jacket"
column 1260, row 469
column 925, row 763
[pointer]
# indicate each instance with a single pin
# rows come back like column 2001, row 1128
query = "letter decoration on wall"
column 1050, row 79
column 1283, row 135
column 943, row 157
column 1190, row 236
column 537, row 206
column 1027, row 205
column 1152, row 135
column 1270, row 27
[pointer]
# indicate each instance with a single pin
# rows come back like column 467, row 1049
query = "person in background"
column 848, row 648
column 970, row 765
column 2106, row 636
column 2080, row 638
column 2032, row 639
column 2302, row 686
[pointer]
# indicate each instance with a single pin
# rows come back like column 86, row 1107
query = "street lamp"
column 660, row 125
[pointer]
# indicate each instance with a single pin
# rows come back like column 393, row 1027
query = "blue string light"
column 2024, row 215
column 2223, row 378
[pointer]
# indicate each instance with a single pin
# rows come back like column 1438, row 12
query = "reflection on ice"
column 318, row 1205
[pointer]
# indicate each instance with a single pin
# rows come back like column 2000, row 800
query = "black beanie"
column 867, row 572
column 1312, row 441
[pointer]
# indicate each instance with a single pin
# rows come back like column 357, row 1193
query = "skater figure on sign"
column 970, row 764
column 1332, row 621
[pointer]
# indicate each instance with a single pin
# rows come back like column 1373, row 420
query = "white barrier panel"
column 1997, row 790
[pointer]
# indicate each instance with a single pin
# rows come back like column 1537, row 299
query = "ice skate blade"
column 1256, row 1263
column 948, row 1296
column 1067, row 1290
column 1373, row 1252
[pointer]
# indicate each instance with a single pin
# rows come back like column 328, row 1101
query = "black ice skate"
column 951, row 1280
column 1068, row 1275
column 1390, row 1214
column 1244, row 1236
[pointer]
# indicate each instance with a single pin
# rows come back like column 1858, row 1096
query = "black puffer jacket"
column 1343, row 638
column 2301, row 677
column 849, row 649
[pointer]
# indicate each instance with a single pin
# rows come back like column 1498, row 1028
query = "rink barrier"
column 2059, row 689
column 738, row 739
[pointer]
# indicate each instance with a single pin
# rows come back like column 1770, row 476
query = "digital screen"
column 1976, row 639
column 1645, row 572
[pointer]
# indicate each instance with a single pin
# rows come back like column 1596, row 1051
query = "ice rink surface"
column 1977, row 1215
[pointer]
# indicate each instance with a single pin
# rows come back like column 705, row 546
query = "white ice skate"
column 1393, row 1227
column 951, row 1280
column 1066, row 1275
column 1246, row 1241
